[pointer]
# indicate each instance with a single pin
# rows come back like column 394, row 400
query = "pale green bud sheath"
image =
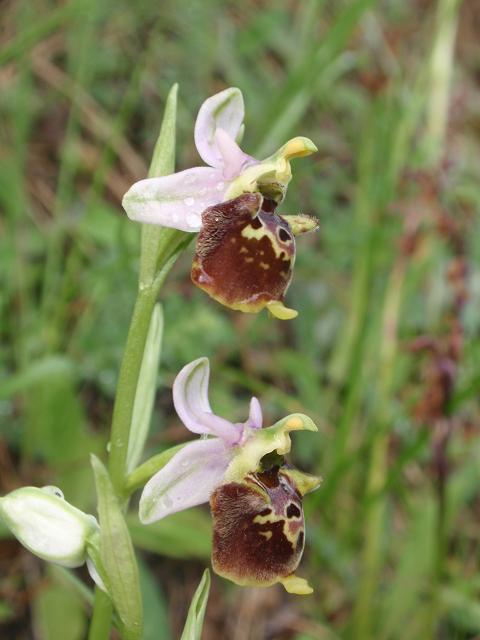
column 47, row 525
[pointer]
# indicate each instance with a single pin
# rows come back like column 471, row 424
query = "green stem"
column 102, row 616
column 440, row 74
column 142, row 474
column 127, row 385
column 377, row 477
column 159, row 249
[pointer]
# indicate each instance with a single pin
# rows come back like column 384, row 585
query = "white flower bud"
column 47, row 525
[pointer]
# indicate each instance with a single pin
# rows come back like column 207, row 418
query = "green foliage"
column 155, row 621
column 181, row 535
column 119, row 569
column 196, row 612
column 59, row 614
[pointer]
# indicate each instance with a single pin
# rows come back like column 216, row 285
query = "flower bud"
column 47, row 525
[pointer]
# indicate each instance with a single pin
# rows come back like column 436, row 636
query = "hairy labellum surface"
column 245, row 253
column 258, row 528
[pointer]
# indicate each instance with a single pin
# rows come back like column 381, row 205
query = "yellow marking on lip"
column 264, row 265
column 248, row 260
column 267, row 534
column 243, row 250
column 257, row 234
column 268, row 519
column 272, row 518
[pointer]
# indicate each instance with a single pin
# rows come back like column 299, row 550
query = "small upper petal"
column 255, row 418
column 234, row 159
column 176, row 200
column 190, row 397
column 224, row 110
column 186, row 480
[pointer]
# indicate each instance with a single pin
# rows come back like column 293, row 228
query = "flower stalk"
column 159, row 249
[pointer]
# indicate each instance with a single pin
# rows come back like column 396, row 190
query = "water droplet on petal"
column 193, row 220
column 53, row 491
column 167, row 502
column 189, row 201
column 202, row 191
column 220, row 186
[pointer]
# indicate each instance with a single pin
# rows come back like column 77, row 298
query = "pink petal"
column 186, row 480
column 177, row 200
column 234, row 159
column 223, row 110
column 255, row 418
column 190, row 397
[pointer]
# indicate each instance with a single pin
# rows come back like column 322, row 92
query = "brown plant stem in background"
column 443, row 355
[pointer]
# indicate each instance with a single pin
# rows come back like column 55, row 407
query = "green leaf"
column 51, row 366
column 155, row 624
column 146, row 387
column 160, row 243
column 186, row 534
column 117, row 555
column 68, row 580
column 142, row 474
column 463, row 608
column 49, row 394
column 58, row 614
column 196, row 613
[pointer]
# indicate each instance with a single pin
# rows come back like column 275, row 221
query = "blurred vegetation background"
column 385, row 354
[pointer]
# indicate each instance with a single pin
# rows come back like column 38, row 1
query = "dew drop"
column 167, row 502
column 53, row 491
column 193, row 220
column 203, row 191
column 220, row 186
column 189, row 201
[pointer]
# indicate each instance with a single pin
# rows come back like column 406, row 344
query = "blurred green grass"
column 385, row 352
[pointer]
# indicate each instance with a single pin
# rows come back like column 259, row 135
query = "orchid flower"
column 240, row 469
column 191, row 201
